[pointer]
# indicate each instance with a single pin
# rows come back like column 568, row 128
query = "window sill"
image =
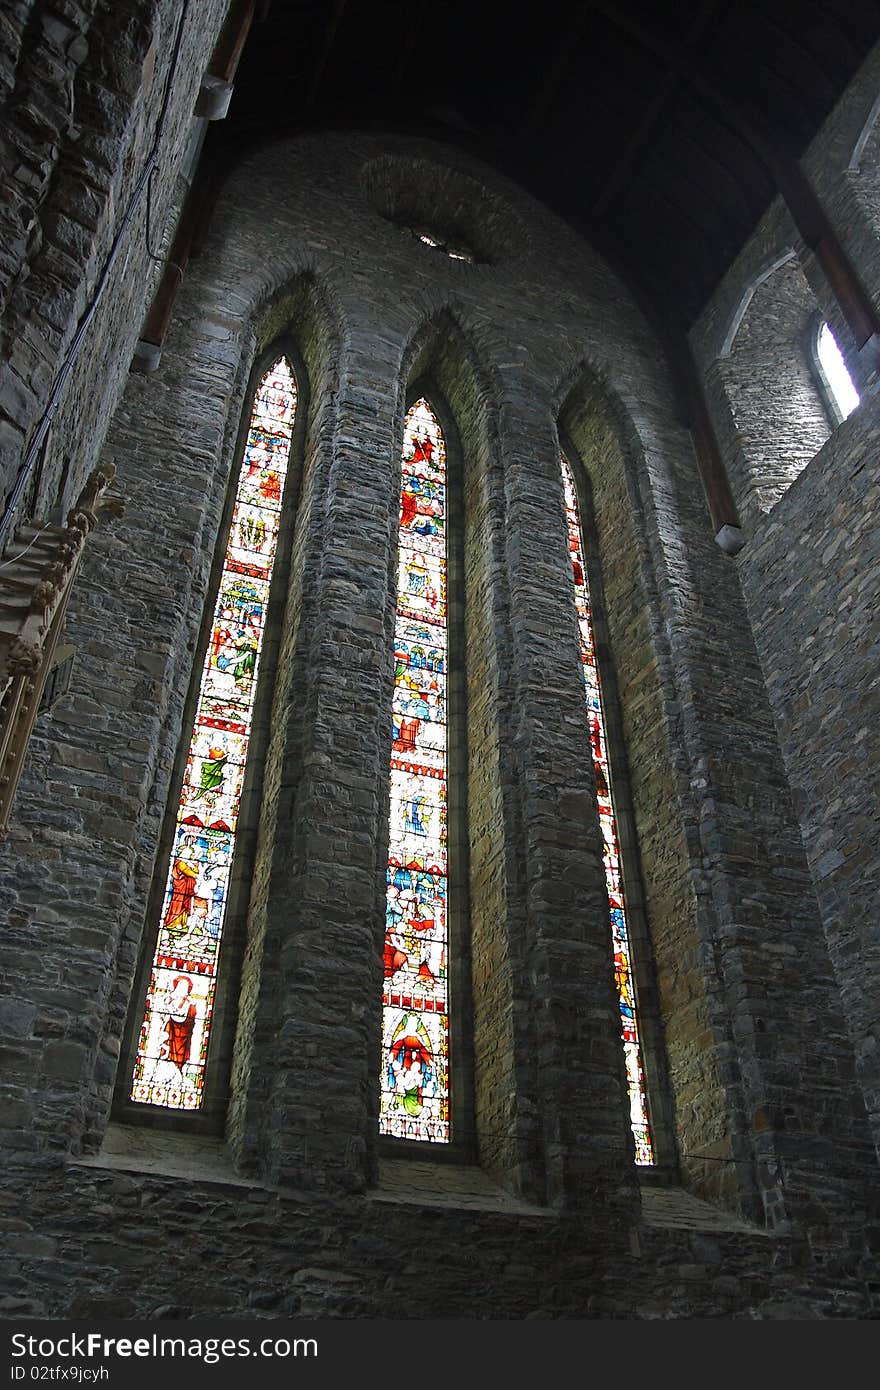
column 673, row 1208
column 136, row 1149
column 450, row 1185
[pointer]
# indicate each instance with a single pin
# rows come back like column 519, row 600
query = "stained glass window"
column 638, row 1100
column 172, row 1050
column 414, row 1101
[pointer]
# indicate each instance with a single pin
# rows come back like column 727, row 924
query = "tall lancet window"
column 172, row 1052
column 415, row 1047
column 623, row 974
column 840, row 394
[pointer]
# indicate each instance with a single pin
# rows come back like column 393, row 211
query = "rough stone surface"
column 256, row 1253
column 84, row 86
column 809, row 569
column 769, row 381
column 298, row 1210
column 810, row 576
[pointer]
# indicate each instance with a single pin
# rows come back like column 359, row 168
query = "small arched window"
column 608, row 822
column 414, row 1084
column 176, row 995
column 836, row 384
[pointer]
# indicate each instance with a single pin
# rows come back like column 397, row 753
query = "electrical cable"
column 14, row 559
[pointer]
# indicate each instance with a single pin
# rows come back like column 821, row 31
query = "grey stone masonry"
column 81, row 89
column 255, row 1253
column 756, row 1089
column 810, row 577
column 809, row 568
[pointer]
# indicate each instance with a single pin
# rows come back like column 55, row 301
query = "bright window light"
column 840, row 383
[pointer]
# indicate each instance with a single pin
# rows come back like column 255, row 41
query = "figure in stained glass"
column 180, row 1022
column 394, row 958
column 411, row 1066
column 417, row 575
column 212, row 770
column 416, row 813
column 405, row 735
column 184, row 873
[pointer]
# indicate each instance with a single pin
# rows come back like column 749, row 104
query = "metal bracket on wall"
column 730, row 539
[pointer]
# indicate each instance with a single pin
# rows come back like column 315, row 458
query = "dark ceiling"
column 653, row 128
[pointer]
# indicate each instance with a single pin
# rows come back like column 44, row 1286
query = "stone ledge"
column 452, row 1185
column 199, row 1157
column 672, row 1207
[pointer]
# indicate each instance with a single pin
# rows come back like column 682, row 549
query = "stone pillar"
column 569, row 1023
column 325, row 885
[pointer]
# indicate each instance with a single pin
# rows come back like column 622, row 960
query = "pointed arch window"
column 835, row 382
column 414, row 1083
column 596, row 717
column 178, row 1001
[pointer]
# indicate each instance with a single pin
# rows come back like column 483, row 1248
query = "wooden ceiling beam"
column 415, row 15
column 652, row 116
column 232, row 39
column 554, row 72
column 327, row 40
column 807, row 212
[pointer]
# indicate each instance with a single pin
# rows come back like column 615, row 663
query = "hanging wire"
column 14, row 559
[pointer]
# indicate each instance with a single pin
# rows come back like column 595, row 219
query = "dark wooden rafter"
column 653, row 115
column 232, row 39
column 660, row 194
column 694, row 414
column 570, row 102
column 813, row 225
column 807, row 212
column 767, row 85
column 783, row 46
column 843, row 25
column 555, row 69
column 706, row 167
column 415, row 16
column 159, row 315
column 689, row 185
column 217, row 83
column 713, row 474
column 327, row 40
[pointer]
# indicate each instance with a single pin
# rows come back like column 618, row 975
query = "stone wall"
column 808, row 571
column 810, row 579
column 761, row 1100
column 769, row 380
column 82, row 87
column 122, row 1243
